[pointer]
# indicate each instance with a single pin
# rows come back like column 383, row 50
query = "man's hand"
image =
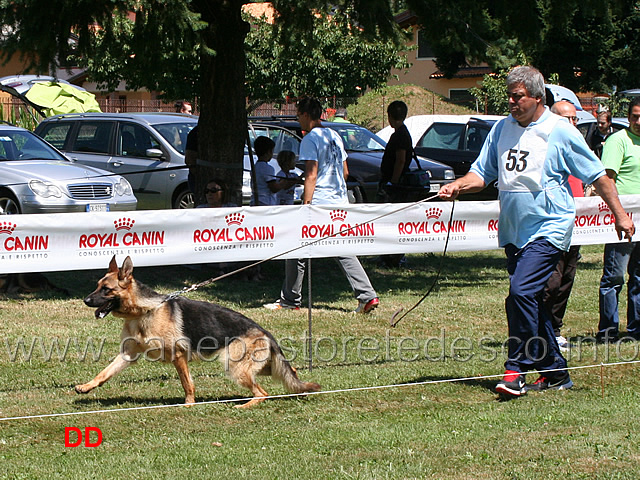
column 450, row 191
column 605, row 187
column 468, row 184
column 625, row 226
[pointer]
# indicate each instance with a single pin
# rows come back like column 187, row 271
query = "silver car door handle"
column 117, row 164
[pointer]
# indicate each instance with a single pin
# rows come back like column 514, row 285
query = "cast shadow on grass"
column 487, row 384
column 328, row 282
column 126, row 402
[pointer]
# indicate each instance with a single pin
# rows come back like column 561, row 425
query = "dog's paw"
column 83, row 388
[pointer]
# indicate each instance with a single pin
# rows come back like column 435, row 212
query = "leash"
column 393, row 320
column 204, row 283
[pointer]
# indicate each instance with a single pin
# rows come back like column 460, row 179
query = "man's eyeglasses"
column 212, row 190
column 570, row 118
column 515, row 96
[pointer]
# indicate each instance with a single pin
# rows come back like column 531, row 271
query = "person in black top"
column 397, row 154
column 599, row 135
column 395, row 161
column 191, row 157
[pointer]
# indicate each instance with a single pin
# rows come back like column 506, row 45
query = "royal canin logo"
column 7, row 227
column 433, row 213
column 122, row 237
column 233, row 232
column 604, row 218
column 338, row 228
column 433, row 225
column 124, row 224
column 234, row 219
column 17, row 243
column 338, row 215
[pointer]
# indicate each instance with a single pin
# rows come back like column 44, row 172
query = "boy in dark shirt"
column 395, row 161
column 397, row 154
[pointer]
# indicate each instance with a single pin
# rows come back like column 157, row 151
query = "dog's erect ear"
column 113, row 266
column 126, row 271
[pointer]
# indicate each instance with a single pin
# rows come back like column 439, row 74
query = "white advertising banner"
column 78, row 241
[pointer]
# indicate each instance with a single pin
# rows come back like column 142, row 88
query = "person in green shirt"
column 621, row 159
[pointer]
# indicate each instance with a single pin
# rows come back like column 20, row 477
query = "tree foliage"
column 189, row 48
column 591, row 44
column 336, row 60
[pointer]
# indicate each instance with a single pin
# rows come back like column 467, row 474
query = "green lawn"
column 434, row 429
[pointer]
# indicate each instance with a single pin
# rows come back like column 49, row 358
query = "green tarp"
column 56, row 98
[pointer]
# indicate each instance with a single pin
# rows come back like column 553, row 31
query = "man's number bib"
column 522, row 156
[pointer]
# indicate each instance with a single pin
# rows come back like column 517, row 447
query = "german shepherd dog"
column 173, row 329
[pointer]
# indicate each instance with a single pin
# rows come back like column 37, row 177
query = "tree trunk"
column 222, row 128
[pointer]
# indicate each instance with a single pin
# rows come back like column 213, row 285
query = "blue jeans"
column 532, row 342
column 618, row 258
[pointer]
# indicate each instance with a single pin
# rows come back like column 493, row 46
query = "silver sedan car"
column 36, row 178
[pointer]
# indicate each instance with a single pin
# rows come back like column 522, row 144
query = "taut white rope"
column 288, row 395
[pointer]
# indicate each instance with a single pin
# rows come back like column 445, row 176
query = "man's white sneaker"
column 280, row 306
column 563, row 343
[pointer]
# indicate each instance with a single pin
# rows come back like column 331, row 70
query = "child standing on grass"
column 267, row 183
column 287, row 162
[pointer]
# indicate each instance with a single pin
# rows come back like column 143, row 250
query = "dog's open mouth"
column 105, row 309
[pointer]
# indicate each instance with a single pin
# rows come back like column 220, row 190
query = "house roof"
column 258, row 10
column 406, row 19
column 465, row 72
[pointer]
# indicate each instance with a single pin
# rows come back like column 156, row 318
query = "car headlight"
column 449, row 175
column 123, row 187
column 43, row 189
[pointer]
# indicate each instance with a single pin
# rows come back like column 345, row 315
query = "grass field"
column 434, row 429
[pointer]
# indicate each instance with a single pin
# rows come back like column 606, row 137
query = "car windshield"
column 358, row 139
column 24, row 145
column 176, row 133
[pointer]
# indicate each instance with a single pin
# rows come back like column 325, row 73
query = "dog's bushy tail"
column 281, row 370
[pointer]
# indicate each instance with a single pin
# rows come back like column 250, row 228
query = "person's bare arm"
column 310, row 177
column 470, row 183
column 606, row 188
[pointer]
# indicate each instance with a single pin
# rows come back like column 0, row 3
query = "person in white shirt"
column 325, row 183
column 287, row 162
column 267, row 183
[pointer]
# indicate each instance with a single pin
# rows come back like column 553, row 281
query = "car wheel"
column 184, row 199
column 8, row 204
column 355, row 195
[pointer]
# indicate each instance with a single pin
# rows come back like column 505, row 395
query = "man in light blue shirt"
column 531, row 153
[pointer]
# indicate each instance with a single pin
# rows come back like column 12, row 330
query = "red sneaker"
column 512, row 384
column 367, row 307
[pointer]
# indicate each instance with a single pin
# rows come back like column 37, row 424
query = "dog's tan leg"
column 182, row 365
column 115, row 367
column 259, row 393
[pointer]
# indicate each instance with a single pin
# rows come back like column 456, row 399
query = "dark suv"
column 457, row 143
column 364, row 150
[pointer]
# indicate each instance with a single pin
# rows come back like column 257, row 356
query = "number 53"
column 515, row 163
